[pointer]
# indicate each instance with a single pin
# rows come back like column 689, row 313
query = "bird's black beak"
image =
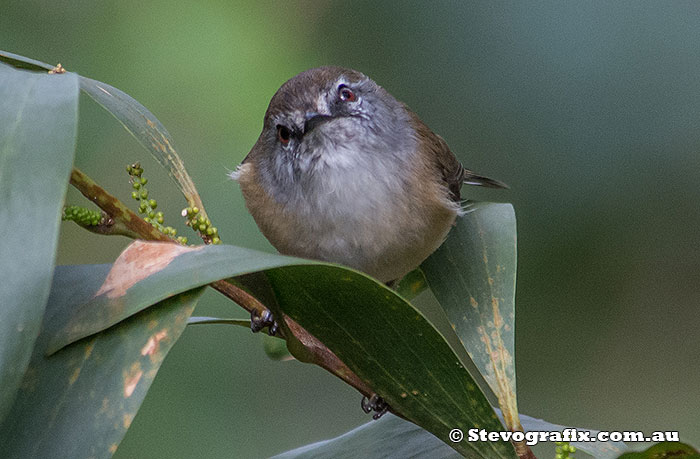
column 314, row 119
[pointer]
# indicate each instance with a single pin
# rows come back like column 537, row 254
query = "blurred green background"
column 588, row 110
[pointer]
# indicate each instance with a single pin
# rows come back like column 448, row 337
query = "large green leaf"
column 473, row 277
column 389, row 344
column 79, row 402
column 158, row 270
column 393, row 437
column 38, row 123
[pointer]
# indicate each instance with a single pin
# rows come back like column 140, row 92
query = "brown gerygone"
column 343, row 172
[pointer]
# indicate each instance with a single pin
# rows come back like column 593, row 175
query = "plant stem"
column 240, row 296
column 115, row 209
column 109, row 227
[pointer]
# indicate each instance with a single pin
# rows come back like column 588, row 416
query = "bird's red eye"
column 283, row 134
column 346, row 94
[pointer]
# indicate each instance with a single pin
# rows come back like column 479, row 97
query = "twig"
column 240, row 296
column 109, row 227
column 115, row 209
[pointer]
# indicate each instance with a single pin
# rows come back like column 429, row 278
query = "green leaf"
column 391, row 436
column 171, row 269
column 38, row 122
column 80, row 401
column 389, row 344
column 147, row 130
column 473, row 277
column 668, row 449
column 24, row 63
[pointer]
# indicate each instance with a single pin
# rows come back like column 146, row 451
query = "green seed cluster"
column 564, row 450
column 147, row 206
column 82, row 216
column 201, row 224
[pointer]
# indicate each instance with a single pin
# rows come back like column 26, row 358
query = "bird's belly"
column 370, row 223
column 385, row 240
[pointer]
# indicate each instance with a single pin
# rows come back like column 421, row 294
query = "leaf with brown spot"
column 148, row 272
column 80, row 401
column 138, row 261
column 131, row 378
column 473, row 277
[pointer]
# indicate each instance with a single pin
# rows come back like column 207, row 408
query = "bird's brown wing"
column 453, row 172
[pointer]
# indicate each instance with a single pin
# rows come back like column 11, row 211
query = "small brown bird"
column 345, row 173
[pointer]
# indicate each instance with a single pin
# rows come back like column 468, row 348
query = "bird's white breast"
column 355, row 210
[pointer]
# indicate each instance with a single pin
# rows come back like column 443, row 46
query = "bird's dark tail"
column 470, row 178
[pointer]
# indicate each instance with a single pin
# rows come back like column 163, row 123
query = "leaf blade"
column 188, row 269
column 390, row 345
column 38, row 126
column 473, row 278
